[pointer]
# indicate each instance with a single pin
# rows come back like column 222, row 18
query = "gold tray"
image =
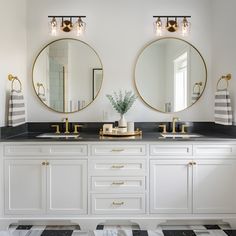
column 126, row 134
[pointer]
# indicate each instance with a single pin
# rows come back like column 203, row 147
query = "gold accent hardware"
column 163, row 129
column 57, row 128
column 198, row 86
column 40, row 85
column 194, row 163
column 76, row 127
column 117, row 150
column 226, row 78
column 44, row 163
column 13, row 79
column 190, row 163
column 117, row 203
column 67, row 125
column 174, row 120
column 118, row 183
column 183, row 129
column 47, row 163
column 117, row 166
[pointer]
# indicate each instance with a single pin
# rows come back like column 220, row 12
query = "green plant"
column 122, row 102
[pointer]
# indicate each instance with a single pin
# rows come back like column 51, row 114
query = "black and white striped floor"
column 196, row 230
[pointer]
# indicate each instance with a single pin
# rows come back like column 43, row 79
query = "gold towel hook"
column 40, row 85
column 226, row 78
column 13, row 79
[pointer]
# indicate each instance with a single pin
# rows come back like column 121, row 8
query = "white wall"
column 12, row 48
column 224, row 53
column 118, row 30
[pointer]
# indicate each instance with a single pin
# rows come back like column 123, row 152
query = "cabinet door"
column 25, row 187
column 170, row 186
column 67, row 187
column 214, row 186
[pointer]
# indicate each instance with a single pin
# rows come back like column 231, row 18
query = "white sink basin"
column 179, row 135
column 51, row 135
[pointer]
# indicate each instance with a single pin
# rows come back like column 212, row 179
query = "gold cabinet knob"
column 57, row 128
column 190, row 163
column 44, row 163
column 163, row 128
column 47, row 163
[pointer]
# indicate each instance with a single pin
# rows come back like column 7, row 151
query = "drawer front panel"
column 113, row 204
column 176, row 150
column 45, row 150
column 119, row 150
column 215, row 150
column 118, row 184
column 121, row 167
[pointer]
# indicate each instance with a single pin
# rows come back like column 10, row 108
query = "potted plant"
column 122, row 103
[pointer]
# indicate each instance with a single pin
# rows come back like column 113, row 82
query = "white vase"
column 122, row 122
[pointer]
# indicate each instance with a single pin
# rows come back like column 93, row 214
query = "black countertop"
column 93, row 137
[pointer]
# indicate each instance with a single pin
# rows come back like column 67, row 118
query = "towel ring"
column 39, row 86
column 13, row 79
column 197, row 85
column 226, row 78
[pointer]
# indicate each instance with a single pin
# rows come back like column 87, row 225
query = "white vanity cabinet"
column 45, row 183
column 144, row 182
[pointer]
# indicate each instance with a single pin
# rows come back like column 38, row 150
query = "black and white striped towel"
column 16, row 114
column 223, row 109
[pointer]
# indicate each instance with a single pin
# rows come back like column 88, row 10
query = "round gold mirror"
column 67, row 75
column 170, row 75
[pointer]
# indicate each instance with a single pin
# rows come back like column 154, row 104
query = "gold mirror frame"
column 35, row 90
column 135, row 83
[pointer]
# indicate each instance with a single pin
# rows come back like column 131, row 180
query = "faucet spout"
column 174, row 120
column 67, row 125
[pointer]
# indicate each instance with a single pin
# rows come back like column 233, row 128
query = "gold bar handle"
column 117, row 203
column 117, row 150
column 117, row 166
column 118, row 183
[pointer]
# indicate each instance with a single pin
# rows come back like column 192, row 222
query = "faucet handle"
column 76, row 127
column 57, row 128
column 183, row 128
column 163, row 128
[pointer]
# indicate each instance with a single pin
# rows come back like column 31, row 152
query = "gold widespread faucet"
column 174, row 120
column 67, row 127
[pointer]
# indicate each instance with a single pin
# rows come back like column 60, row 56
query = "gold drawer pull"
column 118, row 183
column 117, row 166
column 118, row 203
column 117, row 150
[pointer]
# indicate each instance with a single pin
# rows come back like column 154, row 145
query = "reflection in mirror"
column 63, row 75
column 170, row 75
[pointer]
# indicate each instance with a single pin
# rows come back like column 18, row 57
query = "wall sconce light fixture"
column 172, row 24
column 67, row 24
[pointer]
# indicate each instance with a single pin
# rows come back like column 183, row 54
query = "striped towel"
column 16, row 115
column 223, row 110
column 195, row 96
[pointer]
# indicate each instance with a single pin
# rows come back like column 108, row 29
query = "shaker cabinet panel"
column 214, row 188
column 67, row 187
column 170, row 186
column 25, row 185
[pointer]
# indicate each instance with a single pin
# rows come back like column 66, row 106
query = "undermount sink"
column 51, row 135
column 179, row 135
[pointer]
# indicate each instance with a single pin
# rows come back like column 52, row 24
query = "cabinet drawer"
column 119, row 150
column 121, row 167
column 166, row 150
column 118, row 184
column 45, row 150
column 215, row 150
column 118, row 204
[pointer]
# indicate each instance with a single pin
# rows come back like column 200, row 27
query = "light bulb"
column 158, row 27
column 185, row 26
column 53, row 26
column 79, row 27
